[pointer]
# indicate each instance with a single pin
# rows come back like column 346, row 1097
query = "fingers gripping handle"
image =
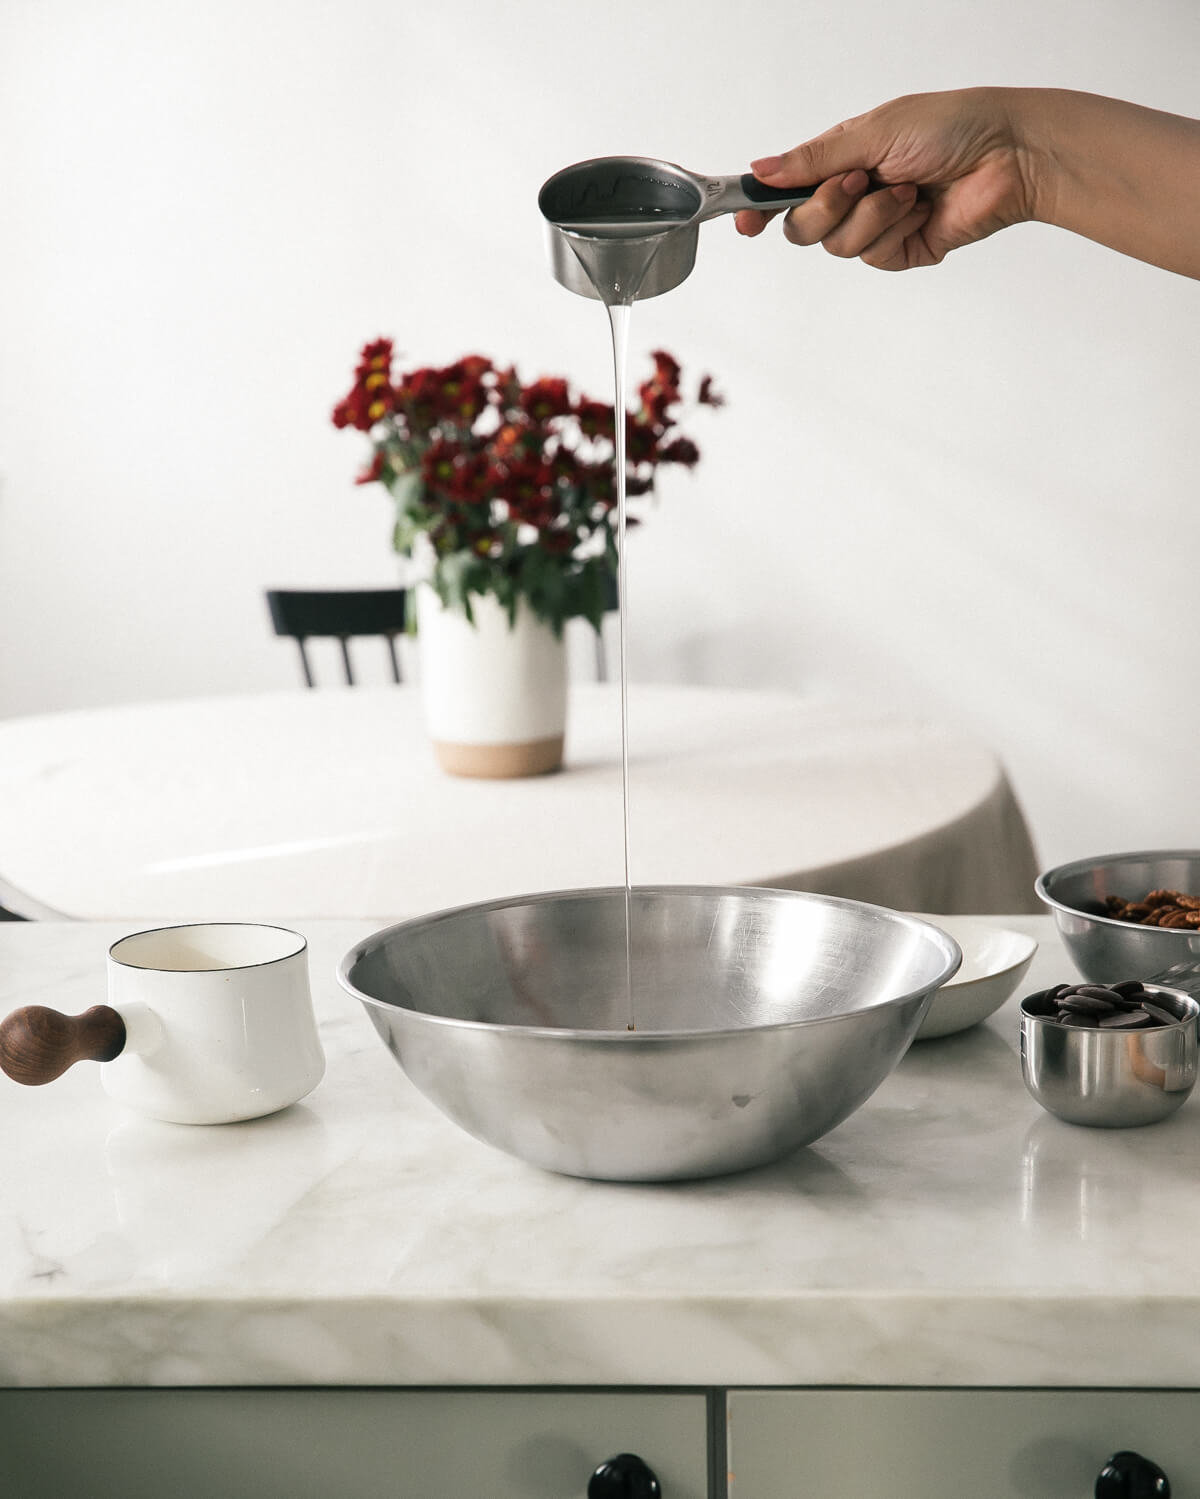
column 759, row 195
column 37, row 1045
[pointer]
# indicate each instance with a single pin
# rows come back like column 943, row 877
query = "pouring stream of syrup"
column 617, row 279
column 618, row 319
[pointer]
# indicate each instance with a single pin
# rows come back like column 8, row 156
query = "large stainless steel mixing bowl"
column 763, row 1018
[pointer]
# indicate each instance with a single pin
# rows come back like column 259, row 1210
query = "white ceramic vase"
column 495, row 695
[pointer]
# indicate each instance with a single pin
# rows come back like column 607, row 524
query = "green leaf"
column 405, row 488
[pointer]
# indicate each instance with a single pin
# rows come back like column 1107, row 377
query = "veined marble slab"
column 949, row 1233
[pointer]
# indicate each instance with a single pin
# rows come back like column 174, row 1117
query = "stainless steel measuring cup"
column 635, row 219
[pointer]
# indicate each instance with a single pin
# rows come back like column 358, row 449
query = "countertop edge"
column 855, row 1340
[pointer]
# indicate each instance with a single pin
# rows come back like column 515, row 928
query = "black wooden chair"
column 341, row 615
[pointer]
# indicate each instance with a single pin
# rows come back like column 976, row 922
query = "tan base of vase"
column 499, row 762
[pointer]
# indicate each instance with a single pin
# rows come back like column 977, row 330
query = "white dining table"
column 329, row 803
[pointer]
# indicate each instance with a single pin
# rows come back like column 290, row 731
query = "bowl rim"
column 624, row 1037
column 1078, row 866
column 955, row 985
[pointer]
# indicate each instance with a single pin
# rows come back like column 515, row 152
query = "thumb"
column 841, row 149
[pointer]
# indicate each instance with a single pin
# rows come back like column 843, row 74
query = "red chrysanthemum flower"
column 462, row 394
column 375, row 358
column 545, row 399
column 656, row 403
column 557, row 542
column 353, row 411
column 666, row 370
column 439, row 465
column 680, row 450
column 641, row 441
column 595, row 418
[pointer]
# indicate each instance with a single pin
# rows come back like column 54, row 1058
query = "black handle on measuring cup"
column 762, row 195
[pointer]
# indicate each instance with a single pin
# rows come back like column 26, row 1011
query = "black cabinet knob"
column 1128, row 1475
column 625, row 1476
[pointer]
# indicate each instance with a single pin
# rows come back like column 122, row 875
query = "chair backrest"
column 339, row 614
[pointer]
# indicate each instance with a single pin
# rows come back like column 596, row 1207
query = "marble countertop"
column 949, row 1233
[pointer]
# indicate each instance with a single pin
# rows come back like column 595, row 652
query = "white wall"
column 969, row 491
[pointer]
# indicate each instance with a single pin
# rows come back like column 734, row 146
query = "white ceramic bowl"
column 995, row 960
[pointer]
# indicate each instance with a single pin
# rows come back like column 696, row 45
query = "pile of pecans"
column 1124, row 1006
column 1169, row 908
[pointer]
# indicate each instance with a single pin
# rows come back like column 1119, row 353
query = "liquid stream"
column 618, row 320
column 617, row 281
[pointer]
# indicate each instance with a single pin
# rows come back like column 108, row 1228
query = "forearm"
column 1120, row 174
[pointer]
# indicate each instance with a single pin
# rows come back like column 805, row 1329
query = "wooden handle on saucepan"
column 37, row 1045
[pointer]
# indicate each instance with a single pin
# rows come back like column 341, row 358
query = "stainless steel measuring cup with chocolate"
column 1110, row 1056
column 623, row 228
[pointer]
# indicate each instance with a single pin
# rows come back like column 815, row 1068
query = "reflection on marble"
column 948, row 1233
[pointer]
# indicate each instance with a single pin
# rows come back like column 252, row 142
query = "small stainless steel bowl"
column 1112, row 1078
column 764, row 1018
column 1105, row 950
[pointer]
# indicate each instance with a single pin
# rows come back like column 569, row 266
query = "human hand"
column 904, row 184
